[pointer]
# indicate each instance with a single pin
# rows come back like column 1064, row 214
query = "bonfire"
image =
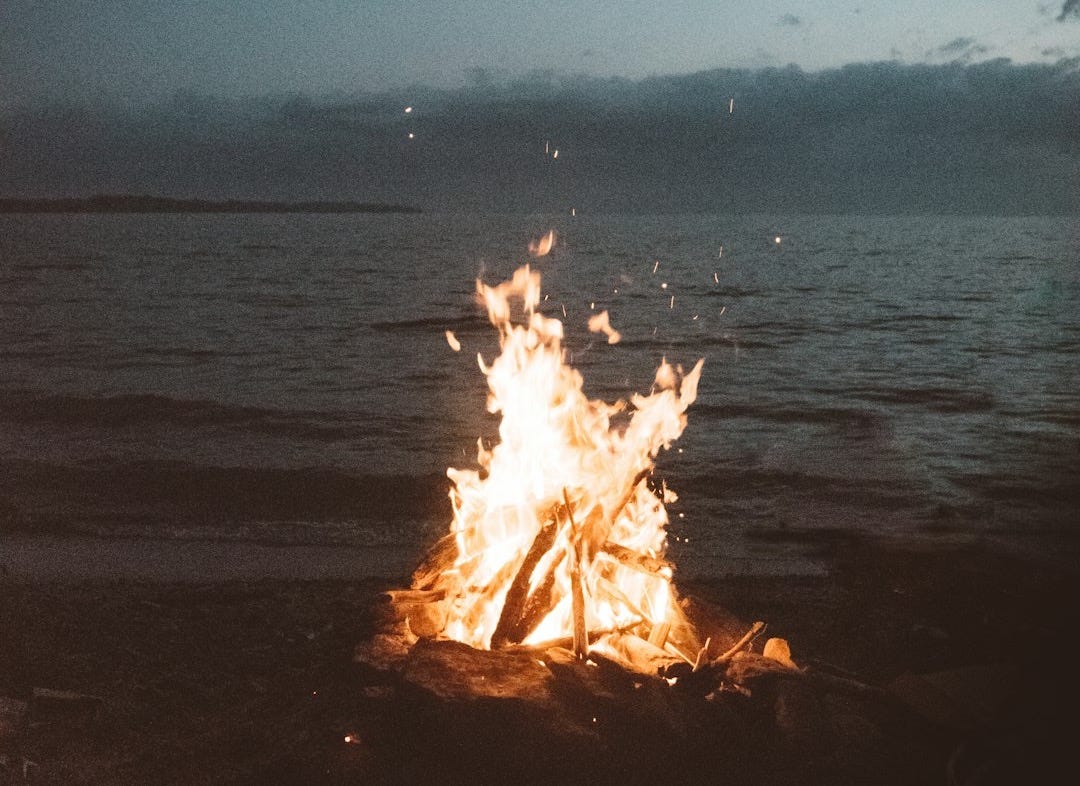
column 559, row 536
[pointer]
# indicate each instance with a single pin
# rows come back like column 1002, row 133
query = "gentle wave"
column 144, row 409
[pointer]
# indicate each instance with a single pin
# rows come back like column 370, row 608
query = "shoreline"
column 249, row 677
column 46, row 559
column 32, row 559
column 251, row 680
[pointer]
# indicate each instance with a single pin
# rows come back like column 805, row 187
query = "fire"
column 557, row 535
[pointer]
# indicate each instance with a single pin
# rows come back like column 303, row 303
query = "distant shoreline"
column 109, row 203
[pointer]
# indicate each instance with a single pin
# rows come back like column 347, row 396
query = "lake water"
column 286, row 379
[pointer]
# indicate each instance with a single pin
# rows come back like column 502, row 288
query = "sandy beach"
column 247, row 676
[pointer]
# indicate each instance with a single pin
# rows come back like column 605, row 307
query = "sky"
column 916, row 106
column 139, row 50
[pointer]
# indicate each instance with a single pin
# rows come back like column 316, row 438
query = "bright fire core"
column 557, row 534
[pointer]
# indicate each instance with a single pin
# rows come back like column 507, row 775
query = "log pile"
column 633, row 712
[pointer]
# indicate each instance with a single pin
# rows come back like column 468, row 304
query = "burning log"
column 637, row 654
column 643, row 563
column 577, row 591
column 659, row 633
column 430, row 569
column 508, row 630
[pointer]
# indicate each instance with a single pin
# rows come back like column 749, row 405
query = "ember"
column 557, row 537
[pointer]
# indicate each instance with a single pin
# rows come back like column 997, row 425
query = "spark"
column 731, row 105
column 778, row 239
column 556, row 153
column 592, row 305
column 573, row 211
column 412, row 135
column 721, row 254
column 695, row 317
column 547, row 147
column 722, row 310
column 451, row 339
column 672, row 304
column 408, row 110
column 664, row 285
column 656, row 266
column 715, row 278
column 352, row 739
column 563, row 310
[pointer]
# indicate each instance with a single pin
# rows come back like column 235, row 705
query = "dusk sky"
column 95, row 94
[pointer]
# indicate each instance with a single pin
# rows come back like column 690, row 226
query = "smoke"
column 1069, row 8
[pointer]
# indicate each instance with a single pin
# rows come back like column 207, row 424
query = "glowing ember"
column 557, row 535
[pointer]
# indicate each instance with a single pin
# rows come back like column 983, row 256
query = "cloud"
column 1069, row 9
column 963, row 48
column 790, row 20
column 992, row 137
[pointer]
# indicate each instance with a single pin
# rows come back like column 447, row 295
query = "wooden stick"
column 568, row 641
column 670, row 647
column 654, row 566
column 619, row 596
column 541, row 601
column 405, row 596
column 629, row 495
column 599, row 534
column 754, row 631
column 640, row 654
column 577, row 592
column 659, row 633
column 443, row 554
column 699, row 661
column 517, row 595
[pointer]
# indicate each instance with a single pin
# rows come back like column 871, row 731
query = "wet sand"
column 244, row 679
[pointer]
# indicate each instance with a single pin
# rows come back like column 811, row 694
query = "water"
column 286, row 378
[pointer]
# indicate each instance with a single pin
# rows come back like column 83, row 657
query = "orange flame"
column 542, row 247
column 601, row 323
column 558, row 507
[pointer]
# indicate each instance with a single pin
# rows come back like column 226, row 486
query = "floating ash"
column 558, row 538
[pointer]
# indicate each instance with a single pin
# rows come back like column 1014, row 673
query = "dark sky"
column 880, row 107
